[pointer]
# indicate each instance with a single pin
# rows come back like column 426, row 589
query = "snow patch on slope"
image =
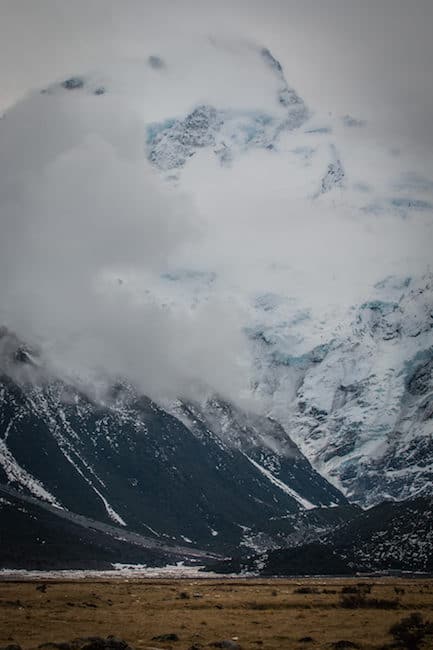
column 285, row 488
column 18, row 475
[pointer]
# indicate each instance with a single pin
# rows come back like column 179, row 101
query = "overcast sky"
column 81, row 206
column 373, row 57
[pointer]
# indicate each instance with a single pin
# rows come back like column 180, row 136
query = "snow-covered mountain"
column 355, row 391
column 205, row 190
column 361, row 404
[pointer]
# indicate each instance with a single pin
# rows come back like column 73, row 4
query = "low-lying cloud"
column 114, row 272
column 80, row 216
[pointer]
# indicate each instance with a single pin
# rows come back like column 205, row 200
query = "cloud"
column 371, row 58
column 93, row 239
column 83, row 217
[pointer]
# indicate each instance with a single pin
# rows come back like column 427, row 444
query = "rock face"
column 335, row 174
column 228, row 131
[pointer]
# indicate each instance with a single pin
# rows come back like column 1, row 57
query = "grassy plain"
column 269, row 614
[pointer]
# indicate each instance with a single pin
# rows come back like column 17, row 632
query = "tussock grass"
column 273, row 614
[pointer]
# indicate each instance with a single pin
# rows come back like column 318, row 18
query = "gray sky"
column 81, row 206
column 373, row 57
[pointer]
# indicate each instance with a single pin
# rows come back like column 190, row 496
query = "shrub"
column 353, row 601
column 410, row 632
column 184, row 595
column 358, row 600
column 361, row 588
column 259, row 606
column 306, row 590
column 382, row 603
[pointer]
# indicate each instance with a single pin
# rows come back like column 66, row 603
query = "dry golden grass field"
column 268, row 614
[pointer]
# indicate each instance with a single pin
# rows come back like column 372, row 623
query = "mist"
column 82, row 215
column 373, row 56
column 115, row 271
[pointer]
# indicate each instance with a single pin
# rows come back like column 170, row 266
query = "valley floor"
column 270, row 614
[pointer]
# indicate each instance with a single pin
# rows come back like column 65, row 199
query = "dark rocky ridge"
column 37, row 536
column 390, row 537
column 126, row 461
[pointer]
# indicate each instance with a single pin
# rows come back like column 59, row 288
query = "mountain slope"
column 35, row 535
column 363, row 405
column 387, row 537
column 266, row 445
column 125, row 460
column 286, row 252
